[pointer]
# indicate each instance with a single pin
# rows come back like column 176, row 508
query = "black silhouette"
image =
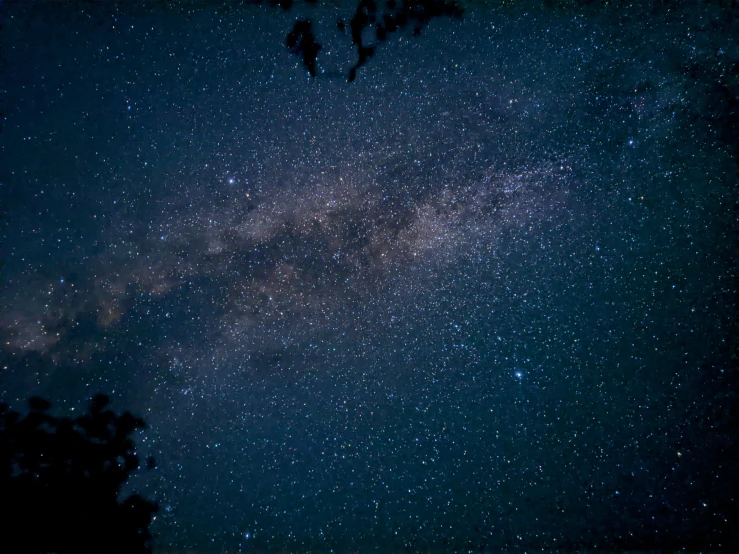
column 397, row 15
column 60, row 479
column 302, row 42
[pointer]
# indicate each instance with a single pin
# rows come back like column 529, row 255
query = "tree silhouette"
column 396, row 15
column 60, row 480
column 302, row 42
column 373, row 21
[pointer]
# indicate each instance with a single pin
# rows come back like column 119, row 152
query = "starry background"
column 482, row 297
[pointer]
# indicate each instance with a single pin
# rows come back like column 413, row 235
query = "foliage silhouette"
column 60, row 479
column 371, row 24
column 302, row 42
column 397, row 15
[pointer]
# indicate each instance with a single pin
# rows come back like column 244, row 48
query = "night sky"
column 481, row 297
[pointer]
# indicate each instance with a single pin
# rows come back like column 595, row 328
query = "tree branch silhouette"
column 60, row 479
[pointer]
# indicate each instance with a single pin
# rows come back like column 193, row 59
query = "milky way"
column 478, row 298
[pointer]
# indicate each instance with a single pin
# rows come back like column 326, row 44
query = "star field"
column 479, row 298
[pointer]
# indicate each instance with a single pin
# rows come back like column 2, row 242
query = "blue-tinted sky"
column 482, row 297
